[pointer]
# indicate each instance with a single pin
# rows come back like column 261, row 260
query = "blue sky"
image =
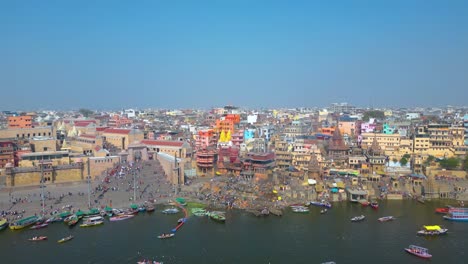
column 182, row 54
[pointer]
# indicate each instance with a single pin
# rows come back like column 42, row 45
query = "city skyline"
column 266, row 54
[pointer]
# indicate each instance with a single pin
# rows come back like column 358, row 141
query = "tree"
column 450, row 163
column 85, row 112
column 403, row 161
column 407, row 156
column 465, row 163
column 429, row 160
column 373, row 114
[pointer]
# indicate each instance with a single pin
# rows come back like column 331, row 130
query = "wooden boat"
column 364, row 202
column 73, row 220
column 418, row 251
column 149, row 208
column 38, row 226
column 457, row 214
column 434, row 230
column 121, row 217
column 181, row 220
column 3, row 224
column 442, row 210
column 65, row 239
column 323, row 203
column 298, row 205
column 164, row 236
column 300, row 209
column 217, row 216
column 172, row 210
column 149, row 262
column 374, row 205
column 386, row 218
column 421, row 200
column 40, row 238
column 25, row 222
column 199, row 211
column 93, row 221
column 358, row 218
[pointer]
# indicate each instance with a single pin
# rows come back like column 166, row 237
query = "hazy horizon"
column 257, row 54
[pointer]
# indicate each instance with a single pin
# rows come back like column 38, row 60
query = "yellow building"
column 121, row 138
column 439, row 140
column 33, row 159
column 26, row 133
column 389, row 144
column 43, row 143
column 85, row 144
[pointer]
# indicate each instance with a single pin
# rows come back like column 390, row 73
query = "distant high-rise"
column 341, row 108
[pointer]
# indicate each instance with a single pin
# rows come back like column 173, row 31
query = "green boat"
column 199, row 211
column 73, row 220
column 3, row 224
column 80, row 214
column 25, row 222
column 181, row 201
column 217, row 216
column 92, row 211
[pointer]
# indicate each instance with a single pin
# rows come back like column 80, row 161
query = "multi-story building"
column 227, row 123
column 389, row 144
column 283, row 154
column 121, row 138
column 294, row 130
column 43, row 143
column 7, row 153
column 439, row 140
column 348, row 127
column 20, row 122
column 205, row 139
column 181, row 149
column 116, row 121
column 26, row 133
column 237, row 138
column 259, row 162
column 341, row 108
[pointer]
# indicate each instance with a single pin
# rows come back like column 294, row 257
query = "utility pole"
column 42, row 188
column 134, row 186
column 88, row 179
column 176, row 168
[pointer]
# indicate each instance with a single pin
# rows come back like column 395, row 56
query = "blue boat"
column 457, row 214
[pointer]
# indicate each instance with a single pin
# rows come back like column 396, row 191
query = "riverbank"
column 117, row 190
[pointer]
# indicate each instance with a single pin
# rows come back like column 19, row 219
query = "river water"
column 244, row 238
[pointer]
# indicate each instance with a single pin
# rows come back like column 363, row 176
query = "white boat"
column 170, row 211
column 358, row 218
column 163, row 236
column 386, row 218
column 93, row 221
column 300, row 209
column 121, row 217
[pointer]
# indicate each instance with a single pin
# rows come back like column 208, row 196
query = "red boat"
column 419, row 251
column 364, row 202
column 374, row 205
column 442, row 210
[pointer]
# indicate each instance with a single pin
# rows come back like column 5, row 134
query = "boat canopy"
column 432, row 228
column 134, row 206
column 180, row 200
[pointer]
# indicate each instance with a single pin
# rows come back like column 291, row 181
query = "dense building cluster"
column 303, row 142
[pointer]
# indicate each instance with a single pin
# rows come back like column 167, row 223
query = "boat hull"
column 456, row 219
column 424, row 256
